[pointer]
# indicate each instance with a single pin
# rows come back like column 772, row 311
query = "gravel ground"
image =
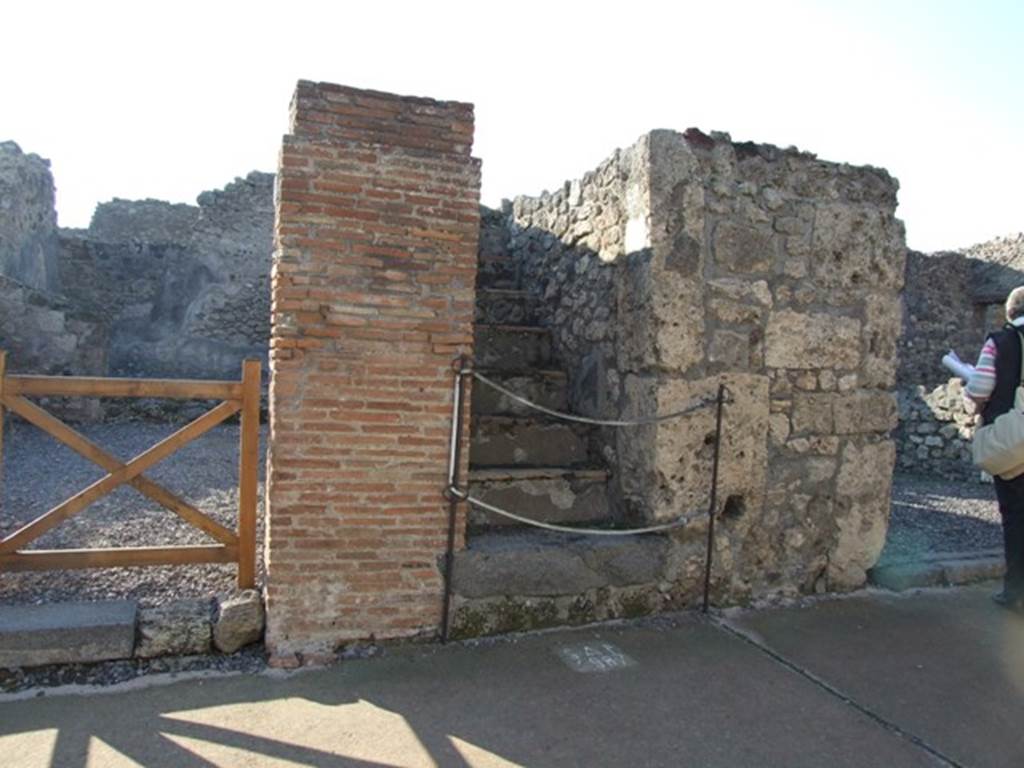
column 248, row 660
column 931, row 514
column 39, row 473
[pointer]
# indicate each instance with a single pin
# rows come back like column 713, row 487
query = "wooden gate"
column 237, row 546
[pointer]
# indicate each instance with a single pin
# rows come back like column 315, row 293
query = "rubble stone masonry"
column 372, row 299
column 689, row 260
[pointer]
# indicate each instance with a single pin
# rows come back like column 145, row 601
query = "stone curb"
column 940, row 570
column 82, row 632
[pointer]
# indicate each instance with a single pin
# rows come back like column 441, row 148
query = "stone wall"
column 766, row 269
column 935, row 431
column 952, row 300
column 185, row 288
column 939, row 314
column 45, row 334
column 28, row 220
column 48, row 335
column 180, row 290
column 373, row 298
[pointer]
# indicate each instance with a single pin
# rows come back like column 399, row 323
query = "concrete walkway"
column 932, row 679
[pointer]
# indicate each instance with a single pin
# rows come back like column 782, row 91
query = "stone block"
column 683, row 449
column 857, row 247
column 66, row 633
column 539, row 564
column 904, row 576
column 627, row 561
column 866, row 470
column 239, row 621
column 498, row 441
column 862, row 527
column 177, row 629
column 730, row 349
column 865, row 411
column 970, row 570
column 803, row 340
column 813, row 413
column 550, row 496
column 743, row 249
column 521, row 567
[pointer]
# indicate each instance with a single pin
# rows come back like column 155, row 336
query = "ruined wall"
column 940, row 313
column 373, row 298
column 28, row 220
column 47, row 334
column 952, row 300
column 774, row 272
column 185, row 288
column 180, row 290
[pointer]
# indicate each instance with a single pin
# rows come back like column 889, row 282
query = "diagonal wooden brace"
column 83, row 446
column 125, row 474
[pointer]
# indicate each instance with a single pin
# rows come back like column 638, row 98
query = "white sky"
column 140, row 100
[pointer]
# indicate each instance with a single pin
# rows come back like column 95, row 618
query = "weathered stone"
column 730, row 349
column 519, row 566
column 743, row 249
column 239, row 621
column 862, row 527
column 904, row 576
column 66, row 633
column 629, row 561
column 864, row 411
column 28, row 220
column 813, row 413
column 857, row 247
column 181, row 628
column 798, row 340
column 866, row 470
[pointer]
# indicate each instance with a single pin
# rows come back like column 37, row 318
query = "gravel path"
column 39, row 473
column 931, row 514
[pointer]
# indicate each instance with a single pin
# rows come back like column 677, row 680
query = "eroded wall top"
column 28, row 220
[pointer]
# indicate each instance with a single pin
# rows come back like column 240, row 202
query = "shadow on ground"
column 696, row 695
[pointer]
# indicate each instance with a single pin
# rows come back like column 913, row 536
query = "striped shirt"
column 983, row 382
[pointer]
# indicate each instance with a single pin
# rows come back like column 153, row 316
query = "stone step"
column 512, row 347
column 66, row 633
column 549, row 494
column 546, row 564
column 505, row 441
column 503, row 306
column 547, row 388
column 497, row 272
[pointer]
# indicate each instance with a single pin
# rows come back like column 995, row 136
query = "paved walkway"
column 932, row 679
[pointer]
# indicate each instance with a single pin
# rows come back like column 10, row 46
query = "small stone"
column 239, row 621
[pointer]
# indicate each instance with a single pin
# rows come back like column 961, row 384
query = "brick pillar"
column 373, row 297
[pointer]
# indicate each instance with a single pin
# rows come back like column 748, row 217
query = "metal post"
column 453, row 483
column 714, row 494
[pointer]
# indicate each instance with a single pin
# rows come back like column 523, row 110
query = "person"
column 992, row 387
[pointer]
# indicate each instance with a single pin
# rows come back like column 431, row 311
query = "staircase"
column 521, row 459
column 513, row 577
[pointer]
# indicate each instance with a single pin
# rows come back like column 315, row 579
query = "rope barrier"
column 463, row 496
column 695, row 405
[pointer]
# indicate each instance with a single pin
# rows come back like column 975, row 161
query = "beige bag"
column 998, row 448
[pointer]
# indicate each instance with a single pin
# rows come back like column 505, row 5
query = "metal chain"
column 695, row 405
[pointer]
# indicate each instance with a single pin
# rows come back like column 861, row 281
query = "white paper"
column 958, row 366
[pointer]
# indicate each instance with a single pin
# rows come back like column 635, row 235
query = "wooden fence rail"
column 234, row 546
